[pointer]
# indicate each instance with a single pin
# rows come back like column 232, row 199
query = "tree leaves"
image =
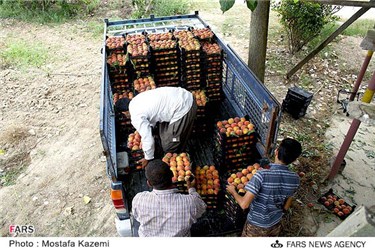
column 226, row 4
column 251, row 4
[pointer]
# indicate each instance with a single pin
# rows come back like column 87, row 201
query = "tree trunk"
column 258, row 39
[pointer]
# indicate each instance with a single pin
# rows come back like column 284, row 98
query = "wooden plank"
column 370, row 4
column 357, row 15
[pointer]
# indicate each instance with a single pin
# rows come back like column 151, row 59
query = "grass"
column 11, row 175
column 24, row 54
column 359, row 27
column 53, row 12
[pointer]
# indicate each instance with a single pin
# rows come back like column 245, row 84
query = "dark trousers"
column 174, row 136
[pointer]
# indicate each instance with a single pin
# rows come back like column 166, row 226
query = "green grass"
column 163, row 8
column 359, row 27
column 24, row 54
column 56, row 12
column 11, row 175
column 95, row 28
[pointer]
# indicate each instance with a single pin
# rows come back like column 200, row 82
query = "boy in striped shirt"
column 269, row 193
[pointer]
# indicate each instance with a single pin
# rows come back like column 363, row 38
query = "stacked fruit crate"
column 208, row 185
column 190, row 54
column 213, row 64
column 164, row 55
column 139, row 53
column 134, row 145
column 119, row 71
column 200, row 123
column 181, row 167
column 235, row 143
column 142, row 84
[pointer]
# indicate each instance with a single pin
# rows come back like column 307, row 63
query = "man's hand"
column 143, row 162
column 231, row 189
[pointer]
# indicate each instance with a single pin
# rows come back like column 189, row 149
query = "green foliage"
column 251, row 4
column 303, row 21
column 24, row 54
column 227, row 4
column 359, row 28
column 143, row 8
column 46, row 11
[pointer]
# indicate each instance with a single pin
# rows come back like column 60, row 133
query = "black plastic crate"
column 328, row 201
column 296, row 102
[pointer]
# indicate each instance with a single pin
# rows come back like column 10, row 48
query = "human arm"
column 243, row 201
column 288, row 203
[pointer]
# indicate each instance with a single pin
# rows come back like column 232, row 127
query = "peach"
column 187, row 168
column 256, row 166
column 212, row 168
column 230, row 120
column 188, row 172
column 181, row 173
column 237, row 180
column 254, row 171
column 230, row 180
column 205, row 167
column 180, row 178
column 250, row 168
column 210, row 191
column 249, row 176
column 217, row 182
column 244, row 179
column 239, row 174
column 234, row 176
column 174, row 179
column 245, row 171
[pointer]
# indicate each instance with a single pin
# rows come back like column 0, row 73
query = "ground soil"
column 49, row 125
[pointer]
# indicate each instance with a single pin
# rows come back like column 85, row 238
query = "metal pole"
column 367, row 97
column 361, row 74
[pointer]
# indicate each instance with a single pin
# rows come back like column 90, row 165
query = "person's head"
column 122, row 105
column 288, row 151
column 158, row 174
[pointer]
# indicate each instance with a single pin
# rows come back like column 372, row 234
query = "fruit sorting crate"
column 296, row 102
column 332, row 206
column 233, row 211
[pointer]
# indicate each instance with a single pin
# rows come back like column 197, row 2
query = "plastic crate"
column 331, row 206
column 296, row 102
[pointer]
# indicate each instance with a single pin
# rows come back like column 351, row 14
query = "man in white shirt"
column 174, row 108
column 164, row 212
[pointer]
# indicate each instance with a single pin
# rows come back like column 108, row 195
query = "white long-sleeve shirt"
column 165, row 104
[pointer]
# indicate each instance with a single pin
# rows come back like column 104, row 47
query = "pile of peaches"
column 134, row 141
column 200, row 97
column 240, row 178
column 143, row 84
column 207, row 180
column 336, row 204
column 160, row 37
column 135, row 39
column 204, row 33
column 115, row 42
column 235, row 127
column 211, row 48
column 163, row 44
column 180, row 166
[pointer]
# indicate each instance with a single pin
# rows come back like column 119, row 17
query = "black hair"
column 289, row 150
column 122, row 105
column 158, row 174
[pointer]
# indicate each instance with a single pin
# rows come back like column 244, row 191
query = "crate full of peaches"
column 235, row 127
column 208, row 184
column 180, row 166
column 241, row 177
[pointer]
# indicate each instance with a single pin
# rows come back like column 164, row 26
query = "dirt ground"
column 52, row 115
column 49, row 124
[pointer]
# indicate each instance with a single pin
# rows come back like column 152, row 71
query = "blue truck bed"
column 244, row 95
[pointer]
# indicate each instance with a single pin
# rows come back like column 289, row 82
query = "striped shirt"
column 271, row 188
column 165, row 104
column 167, row 213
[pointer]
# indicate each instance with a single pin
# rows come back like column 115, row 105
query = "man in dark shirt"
column 269, row 193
